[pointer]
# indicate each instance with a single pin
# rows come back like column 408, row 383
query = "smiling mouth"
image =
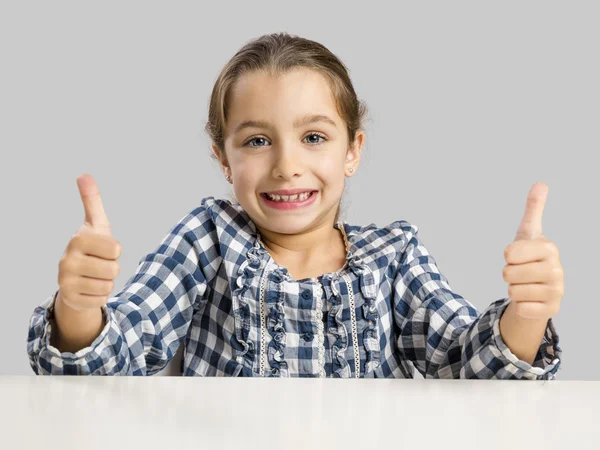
column 289, row 198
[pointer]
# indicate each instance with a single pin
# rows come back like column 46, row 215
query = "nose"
column 287, row 162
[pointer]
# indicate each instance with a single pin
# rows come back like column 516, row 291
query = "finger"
column 531, row 224
column 92, row 267
column 532, row 292
column 95, row 286
column 526, row 251
column 95, row 216
column 92, row 244
column 536, row 272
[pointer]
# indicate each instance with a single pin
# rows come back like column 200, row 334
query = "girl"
column 273, row 283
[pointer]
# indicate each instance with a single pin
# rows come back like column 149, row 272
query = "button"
column 276, row 277
column 308, row 337
column 307, row 294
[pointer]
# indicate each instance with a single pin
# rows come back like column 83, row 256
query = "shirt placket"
column 307, row 334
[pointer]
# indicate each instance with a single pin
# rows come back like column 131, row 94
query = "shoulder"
column 213, row 213
column 381, row 245
column 214, row 221
column 214, row 230
column 218, row 223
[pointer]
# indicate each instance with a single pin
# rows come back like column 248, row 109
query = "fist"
column 88, row 267
column 534, row 272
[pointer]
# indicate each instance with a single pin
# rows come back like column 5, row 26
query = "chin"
column 285, row 226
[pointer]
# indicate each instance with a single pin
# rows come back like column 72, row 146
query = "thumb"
column 531, row 224
column 95, row 216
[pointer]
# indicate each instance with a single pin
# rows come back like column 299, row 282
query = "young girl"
column 273, row 283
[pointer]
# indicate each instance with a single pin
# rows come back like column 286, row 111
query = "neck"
column 307, row 246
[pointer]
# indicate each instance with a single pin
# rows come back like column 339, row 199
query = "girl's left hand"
column 534, row 272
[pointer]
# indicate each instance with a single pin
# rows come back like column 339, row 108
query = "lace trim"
column 320, row 332
column 263, row 324
column 354, row 327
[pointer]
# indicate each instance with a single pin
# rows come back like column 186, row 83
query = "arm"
column 73, row 329
column 145, row 322
column 446, row 337
column 522, row 336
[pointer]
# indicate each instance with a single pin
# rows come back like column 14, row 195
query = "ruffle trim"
column 245, row 350
column 368, row 286
column 274, row 322
column 246, row 353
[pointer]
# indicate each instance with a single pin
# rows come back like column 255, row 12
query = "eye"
column 261, row 141
column 255, row 139
column 318, row 135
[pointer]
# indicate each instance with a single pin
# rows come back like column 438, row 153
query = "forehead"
column 259, row 95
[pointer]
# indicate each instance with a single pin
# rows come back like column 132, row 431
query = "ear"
column 353, row 153
column 222, row 158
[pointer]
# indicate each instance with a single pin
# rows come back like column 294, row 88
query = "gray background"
column 470, row 104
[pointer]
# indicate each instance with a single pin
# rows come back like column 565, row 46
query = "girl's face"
column 286, row 133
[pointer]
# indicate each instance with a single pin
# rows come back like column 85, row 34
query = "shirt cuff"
column 548, row 358
column 80, row 354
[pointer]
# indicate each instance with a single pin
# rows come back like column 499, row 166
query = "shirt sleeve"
column 444, row 335
column 145, row 322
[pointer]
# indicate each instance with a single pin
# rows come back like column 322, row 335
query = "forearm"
column 73, row 330
column 522, row 336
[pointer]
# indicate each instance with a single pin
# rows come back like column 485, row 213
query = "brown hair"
column 276, row 54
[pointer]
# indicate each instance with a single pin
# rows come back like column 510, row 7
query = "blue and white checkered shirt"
column 212, row 286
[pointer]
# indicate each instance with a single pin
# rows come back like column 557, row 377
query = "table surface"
column 100, row 412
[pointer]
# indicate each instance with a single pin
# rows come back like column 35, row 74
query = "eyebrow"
column 304, row 120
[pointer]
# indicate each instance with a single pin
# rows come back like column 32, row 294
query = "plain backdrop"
column 470, row 104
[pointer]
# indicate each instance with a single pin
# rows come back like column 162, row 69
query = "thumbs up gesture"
column 95, row 216
column 534, row 273
column 88, row 267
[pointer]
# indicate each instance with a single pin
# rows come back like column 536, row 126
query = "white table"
column 68, row 412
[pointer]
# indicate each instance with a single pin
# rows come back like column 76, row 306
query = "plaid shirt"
column 212, row 286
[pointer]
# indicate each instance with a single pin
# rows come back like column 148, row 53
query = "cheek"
column 246, row 176
column 330, row 170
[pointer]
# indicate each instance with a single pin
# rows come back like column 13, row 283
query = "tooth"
column 289, row 198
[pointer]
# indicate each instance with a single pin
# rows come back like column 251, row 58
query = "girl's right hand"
column 88, row 267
